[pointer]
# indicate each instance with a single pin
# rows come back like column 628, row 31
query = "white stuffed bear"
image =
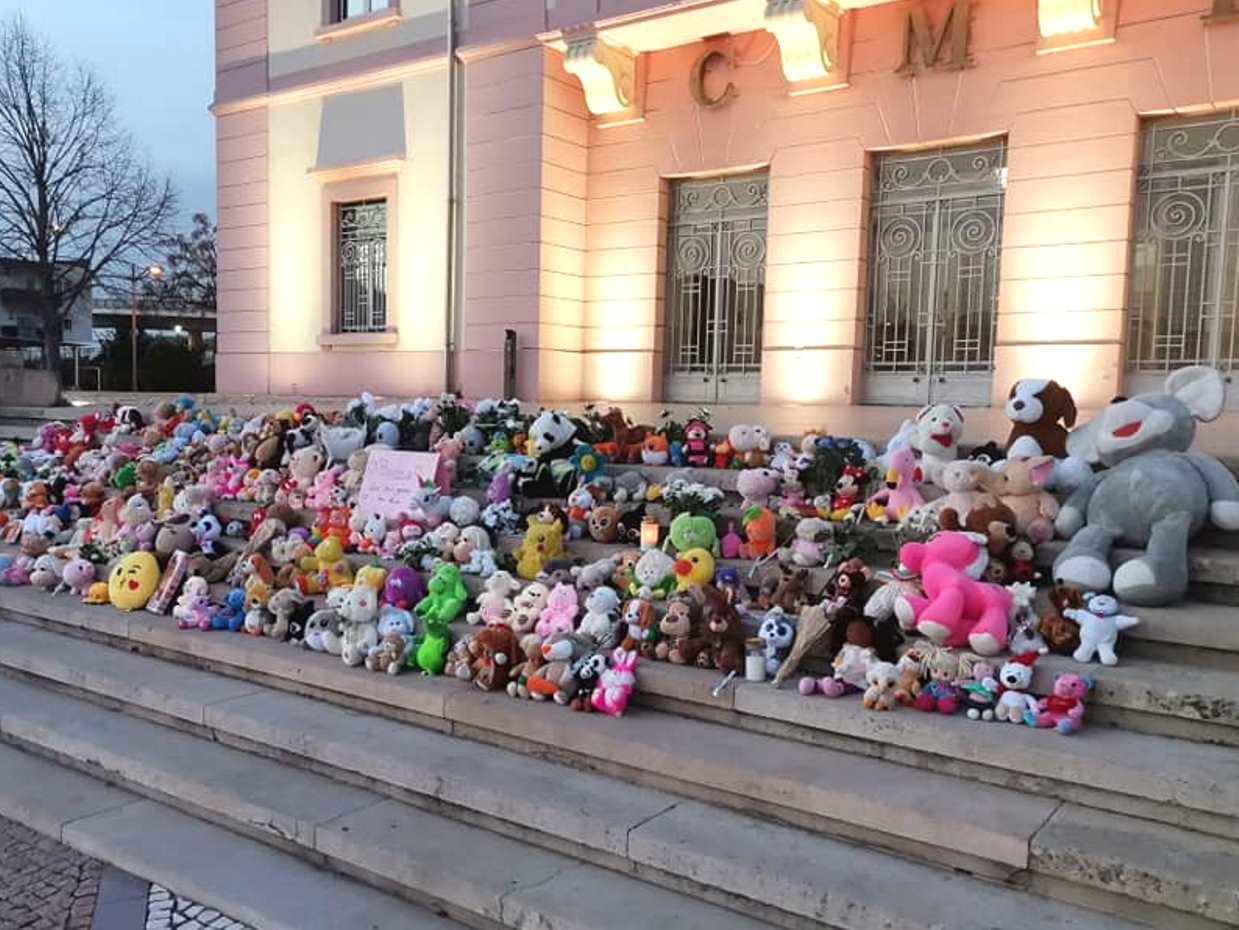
column 601, row 610
column 1100, row 623
column 936, row 432
column 1015, row 678
column 359, row 611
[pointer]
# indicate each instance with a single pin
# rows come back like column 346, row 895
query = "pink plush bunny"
column 559, row 613
column 613, row 691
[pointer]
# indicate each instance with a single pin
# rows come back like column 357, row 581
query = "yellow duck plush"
column 693, row 566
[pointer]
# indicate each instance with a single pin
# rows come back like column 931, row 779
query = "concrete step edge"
column 844, row 803
column 193, row 858
column 805, row 876
column 1044, row 762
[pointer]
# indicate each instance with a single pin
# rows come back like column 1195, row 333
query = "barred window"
column 1184, row 287
column 361, row 272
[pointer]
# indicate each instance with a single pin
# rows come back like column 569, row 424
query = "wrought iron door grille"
column 935, row 232
column 1184, row 288
column 361, row 244
column 716, row 286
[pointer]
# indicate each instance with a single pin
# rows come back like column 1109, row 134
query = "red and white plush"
column 1014, row 680
column 957, row 609
column 935, row 435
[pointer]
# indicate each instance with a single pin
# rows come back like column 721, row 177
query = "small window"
column 350, row 9
column 361, row 270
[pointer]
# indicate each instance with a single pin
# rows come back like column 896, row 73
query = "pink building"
column 777, row 201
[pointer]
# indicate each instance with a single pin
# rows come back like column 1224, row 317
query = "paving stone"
column 210, row 864
column 1150, row 862
column 255, row 791
column 43, row 882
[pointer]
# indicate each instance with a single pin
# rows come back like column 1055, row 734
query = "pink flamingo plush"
column 901, row 495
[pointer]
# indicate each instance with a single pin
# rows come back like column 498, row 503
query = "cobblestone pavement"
column 44, row 885
column 165, row 911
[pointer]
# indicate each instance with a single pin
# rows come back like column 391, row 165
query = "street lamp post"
column 150, row 271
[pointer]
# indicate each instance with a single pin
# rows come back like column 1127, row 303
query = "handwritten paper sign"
column 390, row 478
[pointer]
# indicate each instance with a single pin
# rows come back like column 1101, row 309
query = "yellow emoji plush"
column 133, row 580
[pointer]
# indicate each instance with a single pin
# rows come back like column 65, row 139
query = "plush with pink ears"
column 901, row 495
column 957, row 610
column 615, row 687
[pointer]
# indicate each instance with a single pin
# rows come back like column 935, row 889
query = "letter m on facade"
column 945, row 49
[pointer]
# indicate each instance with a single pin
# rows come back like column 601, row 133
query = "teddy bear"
column 724, row 633
column 957, row 610
column 604, row 523
column 1061, row 634
column 542, row 542
column 749, row 445
column 963, row 480
column 493, row 652
column 1063, row 709
column 806, row 549
column 137, row 530
column 559, row 614
column 1100, row 624
column 882, row 679
column 494, row 604
column 359, row 610
column 195, row 586
column 1019, row 485
column 995, row 523
column 935, row 434
column 599, row 621
column 1035, row 406
column 527, row 607
column 679, row 630
column 1014, row 679
column 285, row 606
column 395, row 631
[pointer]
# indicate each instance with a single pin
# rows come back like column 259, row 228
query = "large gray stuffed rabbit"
column 1154, row 493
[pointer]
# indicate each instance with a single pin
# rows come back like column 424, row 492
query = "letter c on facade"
column 697, row 78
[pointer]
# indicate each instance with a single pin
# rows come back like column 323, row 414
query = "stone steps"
column 413, row 793
column 1189, row 789
column 252, row 881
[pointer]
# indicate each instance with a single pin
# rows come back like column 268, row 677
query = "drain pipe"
column 454, row 155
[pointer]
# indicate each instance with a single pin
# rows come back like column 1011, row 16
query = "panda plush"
column 551, row 440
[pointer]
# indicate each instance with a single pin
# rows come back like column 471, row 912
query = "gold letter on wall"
column 919, row 35
column 697, row 79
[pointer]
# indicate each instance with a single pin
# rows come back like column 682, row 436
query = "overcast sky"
column 156, row 56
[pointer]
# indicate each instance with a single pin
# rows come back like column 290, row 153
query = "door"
column 1185, row 251
column 716, row 284
column 935, row 239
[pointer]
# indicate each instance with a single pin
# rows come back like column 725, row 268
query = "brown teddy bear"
column 494, row 651
column 1060, row 633
column 681, row 632
column 724, row 631
column 996, row 524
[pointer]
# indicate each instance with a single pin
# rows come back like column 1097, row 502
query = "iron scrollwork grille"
column 716, row 286
column 361, row 244
column 936, row 234
column 1184, row 288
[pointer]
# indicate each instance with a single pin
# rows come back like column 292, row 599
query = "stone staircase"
column 191, row 757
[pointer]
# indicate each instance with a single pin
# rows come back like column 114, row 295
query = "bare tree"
column 189, row 269
column 76, row 196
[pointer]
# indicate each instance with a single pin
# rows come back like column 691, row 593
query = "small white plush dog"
column 1100, row 623
column 936, row 433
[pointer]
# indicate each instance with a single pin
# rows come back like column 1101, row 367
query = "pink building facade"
column 749, row 201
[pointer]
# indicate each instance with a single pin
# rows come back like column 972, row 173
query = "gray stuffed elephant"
column 1154, row 493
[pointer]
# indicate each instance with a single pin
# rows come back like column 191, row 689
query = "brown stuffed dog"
column 1035, row 407
column 1061, row 634
column 996, row 524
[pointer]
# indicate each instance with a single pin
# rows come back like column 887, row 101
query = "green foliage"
column 829, row 460
column 164, row 364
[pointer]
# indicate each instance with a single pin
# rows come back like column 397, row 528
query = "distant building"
column 21, row 325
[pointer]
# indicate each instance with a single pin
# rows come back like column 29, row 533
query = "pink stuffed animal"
column 615, row 688
column 901, row 494
column 1064, row 709
column 958, row 610
column 322, row 493
column 756, row 485
column 1018, row 484
column 560, row 612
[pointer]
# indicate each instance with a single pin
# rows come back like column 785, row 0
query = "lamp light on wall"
column 1060, row 17
column 650, row 531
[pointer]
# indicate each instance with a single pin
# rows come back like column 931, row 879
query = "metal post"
column 77, row 368
column 133, row 327
column 509, row 364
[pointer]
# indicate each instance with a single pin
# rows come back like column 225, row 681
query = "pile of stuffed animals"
column 551, row 553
